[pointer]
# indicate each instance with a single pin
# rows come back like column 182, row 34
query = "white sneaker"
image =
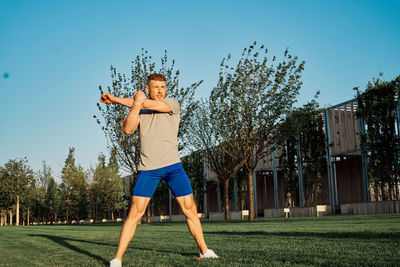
column 209, row 254
column 115, row 263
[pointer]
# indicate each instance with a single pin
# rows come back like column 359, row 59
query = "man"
column 158, row 120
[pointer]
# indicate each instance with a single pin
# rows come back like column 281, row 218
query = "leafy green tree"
column 52, row 200
column 17, row 177
column 38, row 205
column 115, row 188
column 113, row 116
column 249, row 101
column 378, row 106
column 107, row 189
column 28, row 200
column 65, row 202
column 80, row 194
column 68, row 173
column 302, row 130
column 97, row 188
column 242, row 191
column 75, row 189
column 43, row 177
column 6, row 199
column 194, row 168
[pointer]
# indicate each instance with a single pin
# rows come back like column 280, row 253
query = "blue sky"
column 57, row 53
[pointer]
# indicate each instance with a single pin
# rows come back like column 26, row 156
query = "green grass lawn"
column 327, row 241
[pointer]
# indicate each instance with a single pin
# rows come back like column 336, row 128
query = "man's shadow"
column 63, row 241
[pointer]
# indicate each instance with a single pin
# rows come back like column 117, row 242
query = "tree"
column 6, row 200
column 52, row 200
column 80, row 194
column 127, row 146
column 194, row 168
column 17, row 177
column 301, row 140
column 115, row 187
column 43, row 177
column 75, row 189
column 38, row 203
column 65, row 203
column 107, row 189
column 28, row 200
column 113, row 116
column 378, row 107
column 97, row 188
column 217, row 151
column 249, row 101
column 67, row 177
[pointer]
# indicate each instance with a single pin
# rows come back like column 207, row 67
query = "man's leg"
column 136, row 212
column 190, row 210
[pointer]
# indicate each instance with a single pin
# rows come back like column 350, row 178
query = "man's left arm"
column 156, row 105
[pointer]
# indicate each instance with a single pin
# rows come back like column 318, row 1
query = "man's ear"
column 147, row 90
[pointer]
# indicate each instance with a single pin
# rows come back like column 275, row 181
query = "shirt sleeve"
column 173, row 104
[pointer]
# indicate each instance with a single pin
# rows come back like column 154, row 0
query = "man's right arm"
column 132, row 120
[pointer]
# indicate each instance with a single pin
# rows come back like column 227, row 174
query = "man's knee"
column 138, row 207
column 189, row 207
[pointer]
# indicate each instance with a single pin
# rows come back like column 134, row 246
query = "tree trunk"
column 383, row 191
column 313, row 193
column 148, row 213
column 46, row 210
column 226, row 199
column 17, row 213
column 2, row 218
column 94, row 211
column 66, row 215
column 27, row 217
column 11, row 217
column 112, row 214
column 252, row 216
column 376, row 193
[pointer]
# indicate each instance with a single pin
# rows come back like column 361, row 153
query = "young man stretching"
column 158, row 120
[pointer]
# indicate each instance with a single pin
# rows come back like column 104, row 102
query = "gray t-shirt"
column 159, row 137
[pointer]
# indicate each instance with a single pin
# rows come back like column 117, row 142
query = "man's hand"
column 107, row 98
column 140, row 97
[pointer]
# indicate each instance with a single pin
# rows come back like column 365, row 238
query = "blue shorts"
column 174, row 175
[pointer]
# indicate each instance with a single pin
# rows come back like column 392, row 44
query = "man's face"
column 157, row 89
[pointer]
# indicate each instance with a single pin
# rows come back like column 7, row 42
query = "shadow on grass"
column 63, row 241
column 341, row 235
